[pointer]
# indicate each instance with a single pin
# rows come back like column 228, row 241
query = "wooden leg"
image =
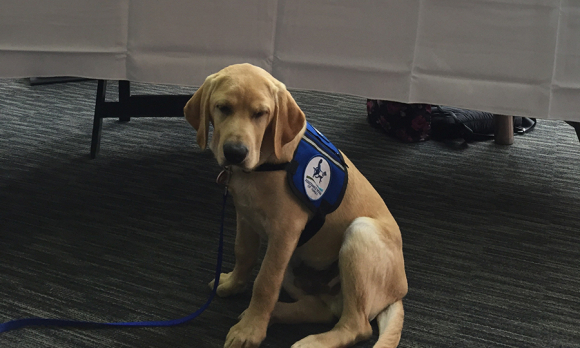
column 504, row 130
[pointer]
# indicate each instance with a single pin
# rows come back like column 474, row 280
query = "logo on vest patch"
column 316, row 177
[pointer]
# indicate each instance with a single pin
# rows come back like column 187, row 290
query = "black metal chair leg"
column 124, row 94
column 576, row 126
column 98, row 120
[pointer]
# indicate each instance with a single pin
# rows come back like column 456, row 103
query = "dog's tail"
column 390, row 322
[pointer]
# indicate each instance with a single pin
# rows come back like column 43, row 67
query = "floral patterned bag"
column 406, row 122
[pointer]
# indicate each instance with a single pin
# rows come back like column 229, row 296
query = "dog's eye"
column 224, row 109
column 259, row 114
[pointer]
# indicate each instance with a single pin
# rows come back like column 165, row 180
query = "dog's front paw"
column 245, row 334
column 228, row 286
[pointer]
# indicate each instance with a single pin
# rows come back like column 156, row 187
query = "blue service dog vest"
column 318, row 176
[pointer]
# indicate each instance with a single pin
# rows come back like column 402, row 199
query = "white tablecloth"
column 516, row 57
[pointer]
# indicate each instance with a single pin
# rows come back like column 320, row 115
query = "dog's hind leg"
column 372, row 278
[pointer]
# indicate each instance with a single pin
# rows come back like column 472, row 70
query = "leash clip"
column 224, row 178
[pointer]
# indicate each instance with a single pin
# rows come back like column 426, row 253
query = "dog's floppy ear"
column 287, row 122
column 197, row 111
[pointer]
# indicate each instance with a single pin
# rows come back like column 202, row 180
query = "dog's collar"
column 271, row 167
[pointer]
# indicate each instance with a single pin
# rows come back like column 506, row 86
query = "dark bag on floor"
column 455, row 123
column 406, row 122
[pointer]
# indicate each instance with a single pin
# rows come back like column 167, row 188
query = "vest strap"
column 271, row 167
column 312, row 226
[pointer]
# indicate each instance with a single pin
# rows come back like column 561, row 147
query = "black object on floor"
column 576, row 126
column 448, row 123
column 35, row 81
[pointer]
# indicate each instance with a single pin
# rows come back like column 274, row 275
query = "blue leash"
column 20, row 323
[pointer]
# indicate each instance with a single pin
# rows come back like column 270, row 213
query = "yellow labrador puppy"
column 350, row 272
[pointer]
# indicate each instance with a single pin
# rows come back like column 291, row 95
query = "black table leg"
column 132, row 106
column 98, row 120
column 124, row 95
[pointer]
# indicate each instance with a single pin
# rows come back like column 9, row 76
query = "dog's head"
column 252, row 113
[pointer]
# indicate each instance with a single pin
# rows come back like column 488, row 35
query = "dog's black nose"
column 235, row 153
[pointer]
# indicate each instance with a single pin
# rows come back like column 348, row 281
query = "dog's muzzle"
column 235, row 153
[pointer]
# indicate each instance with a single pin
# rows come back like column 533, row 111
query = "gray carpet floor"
column 491, row 233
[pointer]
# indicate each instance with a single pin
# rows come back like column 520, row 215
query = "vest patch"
column 317, row 176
